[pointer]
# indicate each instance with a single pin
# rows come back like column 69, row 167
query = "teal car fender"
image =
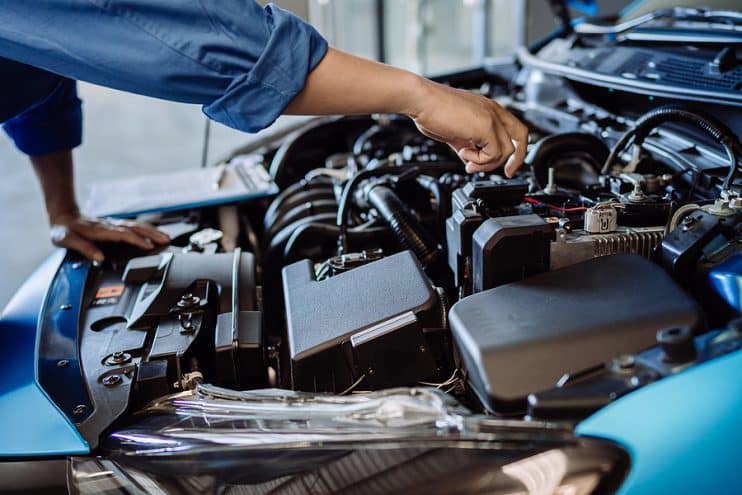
column 32, row 425
column 683, row 433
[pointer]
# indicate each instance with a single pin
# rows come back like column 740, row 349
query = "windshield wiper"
column 676, row 13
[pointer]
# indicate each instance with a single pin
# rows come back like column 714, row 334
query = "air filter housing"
column 366, row 323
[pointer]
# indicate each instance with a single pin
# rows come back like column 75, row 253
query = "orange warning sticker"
column 109, row 291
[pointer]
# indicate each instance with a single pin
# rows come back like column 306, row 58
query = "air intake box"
column 522, row 337
column 368, row 322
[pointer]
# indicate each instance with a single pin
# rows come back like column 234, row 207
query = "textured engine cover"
column 329, row 322
column 520, row 338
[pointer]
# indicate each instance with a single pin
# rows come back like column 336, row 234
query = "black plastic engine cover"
column 367, row 321
column 507, row 249
column 522, row 337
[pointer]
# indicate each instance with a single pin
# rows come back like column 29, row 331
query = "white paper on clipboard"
column 244, row 177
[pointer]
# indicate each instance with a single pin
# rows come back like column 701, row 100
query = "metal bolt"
column 65, row 307
column 186, row 323
column 188, row 300
column 111, row 380
column 637, row 195
column 551, row 187
column 63, row 363
column 80, row 409
column 422, row 348
column 117, row 357
column 625, row 361
column 689, row 222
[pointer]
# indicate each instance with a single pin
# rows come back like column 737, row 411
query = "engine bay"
column 608, row 262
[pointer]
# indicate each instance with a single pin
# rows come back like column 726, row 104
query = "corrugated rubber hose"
column 406, row 227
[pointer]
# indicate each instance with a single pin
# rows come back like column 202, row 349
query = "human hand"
column 483, row 133
column 81, row 234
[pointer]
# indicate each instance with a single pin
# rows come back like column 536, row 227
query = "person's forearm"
column 345, row 84
column 55, row 174
column 71, row 230
column 482, row 132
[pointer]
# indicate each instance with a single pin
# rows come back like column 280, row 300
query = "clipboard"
column 243, row 178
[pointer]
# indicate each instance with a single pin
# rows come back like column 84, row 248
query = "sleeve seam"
column 263, row 85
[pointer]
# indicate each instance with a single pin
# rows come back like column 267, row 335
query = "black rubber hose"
column 302, row 185
column 433, row 168
column 297, row 199
column 442, row 203
column 670, row 113
column 345, row 200
column 406, row 227
column 274, row 250
column 303, row 210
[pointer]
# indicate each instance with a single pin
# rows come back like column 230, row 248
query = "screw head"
column 65, row 307
column 80, row 409
column 111, row 380
column 63, row 363
column 117, row 357
column 188, row 300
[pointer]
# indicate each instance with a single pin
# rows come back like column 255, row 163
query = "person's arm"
column 46, row 131
column 484, row 134
column 72, row 230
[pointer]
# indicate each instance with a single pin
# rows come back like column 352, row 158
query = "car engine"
column 606, row 263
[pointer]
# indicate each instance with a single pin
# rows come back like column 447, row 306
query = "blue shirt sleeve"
column 242, row 62
column 54, row 123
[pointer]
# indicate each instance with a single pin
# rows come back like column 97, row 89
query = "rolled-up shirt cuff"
column 256, row 99
column 55, row 124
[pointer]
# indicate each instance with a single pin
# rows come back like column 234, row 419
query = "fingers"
column 80, row 234
column 473, row 168
column 101, row 231
column 519, row 136
column 503, row 143
column 483, row 133
column 62, row 236
column 146, row 231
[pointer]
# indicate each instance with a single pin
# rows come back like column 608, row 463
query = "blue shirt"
column 242, row 62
